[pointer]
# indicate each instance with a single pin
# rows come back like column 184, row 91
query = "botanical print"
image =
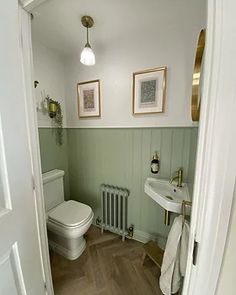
column 148, row 93
column 149, row 89
column 89, row 100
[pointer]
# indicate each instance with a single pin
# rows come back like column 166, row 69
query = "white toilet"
column 67, row 221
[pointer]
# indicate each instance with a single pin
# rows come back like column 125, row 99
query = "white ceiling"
column 57, row 25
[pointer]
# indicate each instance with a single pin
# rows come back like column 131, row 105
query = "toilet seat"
column 70, row 214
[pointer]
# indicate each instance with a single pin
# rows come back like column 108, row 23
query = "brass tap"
column 178, row 177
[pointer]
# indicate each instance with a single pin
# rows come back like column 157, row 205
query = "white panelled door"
column 21, row 269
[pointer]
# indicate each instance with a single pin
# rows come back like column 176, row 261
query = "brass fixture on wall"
column 52, row 108
column 197, row 73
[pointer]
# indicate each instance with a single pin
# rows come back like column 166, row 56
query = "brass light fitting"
column 87, row 56
column 87, row 21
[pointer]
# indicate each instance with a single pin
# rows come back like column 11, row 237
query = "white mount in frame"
column 89, row 99
column 149, row 91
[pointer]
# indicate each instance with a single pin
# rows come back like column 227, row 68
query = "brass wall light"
column 87, row 56
column 52, row 108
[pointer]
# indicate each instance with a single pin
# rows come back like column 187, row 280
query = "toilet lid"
column 70, row 213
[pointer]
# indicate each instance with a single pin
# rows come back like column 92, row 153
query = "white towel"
column 174, row 260
column 184, row 247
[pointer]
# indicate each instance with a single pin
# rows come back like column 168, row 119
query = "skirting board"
column 145, row 237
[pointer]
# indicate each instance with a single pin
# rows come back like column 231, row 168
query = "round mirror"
column 197, row 77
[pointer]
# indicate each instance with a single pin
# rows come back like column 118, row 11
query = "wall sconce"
column 87, row 56
column 52, row 108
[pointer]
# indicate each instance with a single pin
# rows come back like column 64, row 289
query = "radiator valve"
column 98, row 221
column 131, row 231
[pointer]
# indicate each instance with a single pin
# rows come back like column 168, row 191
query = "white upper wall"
column 128, row 36
column 49, row 71
column 170, row 41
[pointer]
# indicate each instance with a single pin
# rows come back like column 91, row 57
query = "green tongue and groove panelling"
column 54, row 156
column 120, row 157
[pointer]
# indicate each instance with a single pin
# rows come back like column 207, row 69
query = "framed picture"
column 89, row 99
column 149, row 90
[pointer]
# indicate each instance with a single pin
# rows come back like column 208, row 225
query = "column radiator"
column 114, row 206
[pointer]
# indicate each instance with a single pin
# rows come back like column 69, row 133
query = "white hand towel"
column 184, row 247
column 170, row 279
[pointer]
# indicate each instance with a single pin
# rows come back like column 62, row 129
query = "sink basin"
column 167, row 195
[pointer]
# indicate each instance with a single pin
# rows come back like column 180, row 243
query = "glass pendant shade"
column 87, row 56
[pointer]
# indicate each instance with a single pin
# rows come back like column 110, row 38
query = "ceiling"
column 57, row 25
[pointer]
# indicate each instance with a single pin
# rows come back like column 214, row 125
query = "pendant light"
column 87, row 56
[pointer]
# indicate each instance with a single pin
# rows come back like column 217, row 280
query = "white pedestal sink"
column 169, row 196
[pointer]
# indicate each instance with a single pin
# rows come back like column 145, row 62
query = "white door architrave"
column 22, row 269
column 34, row 148
column 215, row 172
column 216, row 157
column 28, row 5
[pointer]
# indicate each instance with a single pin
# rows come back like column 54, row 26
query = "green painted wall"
column 121, row 157
column 192, row 157
column 54, row 156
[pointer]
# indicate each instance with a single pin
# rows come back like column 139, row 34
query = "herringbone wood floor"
column 107, row 267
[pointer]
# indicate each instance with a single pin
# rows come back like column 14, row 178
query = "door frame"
column 32, row 125
column 214, row 169
column 216, row 158
column 28, row 5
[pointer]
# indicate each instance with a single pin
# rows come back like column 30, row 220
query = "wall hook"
column 36, row 83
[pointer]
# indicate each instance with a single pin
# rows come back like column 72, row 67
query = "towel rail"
column 184, row 205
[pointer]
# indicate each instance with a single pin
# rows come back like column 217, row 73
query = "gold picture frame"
column 149, row 91
column 88, row 98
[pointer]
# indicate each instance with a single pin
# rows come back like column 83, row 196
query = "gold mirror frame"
column 196, row 95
